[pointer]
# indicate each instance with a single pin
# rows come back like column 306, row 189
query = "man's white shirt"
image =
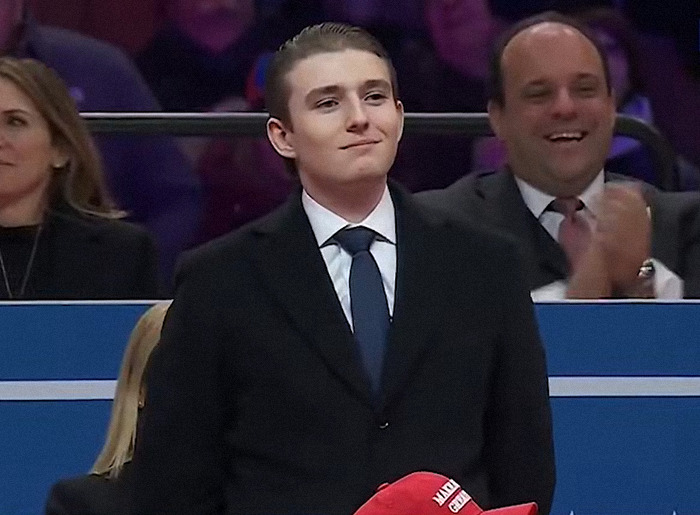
column 667, row 284
column 381, row 220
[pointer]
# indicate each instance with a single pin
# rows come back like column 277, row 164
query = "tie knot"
column 566, row 206
column 355, row 240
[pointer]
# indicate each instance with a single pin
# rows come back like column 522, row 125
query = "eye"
column 538, row 94
column 16, row 121
column 587, row 90
column 376, row 97
column 326, row 103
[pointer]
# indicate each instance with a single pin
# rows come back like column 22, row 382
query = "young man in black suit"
column 552, row 106
column 265, row 395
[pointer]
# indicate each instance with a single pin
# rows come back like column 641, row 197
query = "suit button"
column 384, row 425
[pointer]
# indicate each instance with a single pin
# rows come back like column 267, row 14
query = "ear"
column 59, row 157
column 399, row 109
column 495, row 112
column 281, row 138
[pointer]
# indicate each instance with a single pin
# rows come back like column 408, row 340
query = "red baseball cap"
column 427, row 493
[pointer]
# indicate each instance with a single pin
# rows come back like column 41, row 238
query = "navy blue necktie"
column 370, row 313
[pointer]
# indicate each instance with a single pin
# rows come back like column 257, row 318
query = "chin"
column 365, row 172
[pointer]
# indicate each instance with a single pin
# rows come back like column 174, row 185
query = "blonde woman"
column 107, row 489
column 60, row 237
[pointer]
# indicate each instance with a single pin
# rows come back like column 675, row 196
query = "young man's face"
column 344, row 123
column 557, row 119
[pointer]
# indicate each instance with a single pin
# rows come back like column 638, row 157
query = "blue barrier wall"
column 624, row 379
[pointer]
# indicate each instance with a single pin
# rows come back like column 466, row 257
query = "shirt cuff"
column 667, row 285
column 551, row 291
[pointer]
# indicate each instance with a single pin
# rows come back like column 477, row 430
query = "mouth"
column 566, row 136
column 362, row 143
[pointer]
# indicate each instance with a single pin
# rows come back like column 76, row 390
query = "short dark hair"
column 316, row 39
column 494, row 86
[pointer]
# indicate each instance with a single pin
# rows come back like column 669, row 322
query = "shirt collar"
column 325, row 223
column 537, row 200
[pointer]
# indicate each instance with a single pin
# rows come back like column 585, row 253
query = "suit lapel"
column 504, row 204
column 418, row 238
column 291, row 265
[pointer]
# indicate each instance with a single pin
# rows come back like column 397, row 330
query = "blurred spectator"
column 444, row 74
column 149, row 176
column 127, row 24
column 107, row 489
column 243, row 179
column 211, row 56
column 670, row 68
column 200, row 60
column 616, row 37
column 514, row 10
column 405, row 15
column 59, row 237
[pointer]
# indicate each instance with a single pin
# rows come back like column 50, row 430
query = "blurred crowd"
column 211, row 55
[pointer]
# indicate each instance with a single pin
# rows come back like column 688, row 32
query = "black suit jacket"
column 257, row 401
column 92, row 495
column 493, row 200
column 86, row 257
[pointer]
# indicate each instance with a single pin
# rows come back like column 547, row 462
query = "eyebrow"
column 588, row 76
column 335, row 89
column 15, row 110
column 579, row 76
column 323, row 90
column 377, row 83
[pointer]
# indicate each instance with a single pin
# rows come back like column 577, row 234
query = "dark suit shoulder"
column 90, row 495
column 682, row 203
column 215, row 252
column 465, row 194
column 97, row 226
column 99, row 257
column 462, row 198
column 469, row 229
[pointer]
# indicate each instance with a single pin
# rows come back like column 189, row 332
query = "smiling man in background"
column 584, row 233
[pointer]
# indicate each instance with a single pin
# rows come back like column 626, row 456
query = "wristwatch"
column 643, row 287
column 647, row 270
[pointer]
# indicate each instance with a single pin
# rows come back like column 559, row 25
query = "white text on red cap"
column 446, row 492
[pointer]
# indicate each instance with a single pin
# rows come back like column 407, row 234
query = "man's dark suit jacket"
column 257, row 401
column 86, row 257
column 92, row 495
column 493, row 200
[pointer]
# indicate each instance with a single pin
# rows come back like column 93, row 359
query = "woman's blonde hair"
column 79, row 182
column 121, row 435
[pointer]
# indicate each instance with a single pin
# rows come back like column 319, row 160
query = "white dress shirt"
column 667, row 284
column 381, row 220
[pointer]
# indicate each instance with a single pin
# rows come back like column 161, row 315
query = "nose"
column 357, row 120
column 564, row 104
